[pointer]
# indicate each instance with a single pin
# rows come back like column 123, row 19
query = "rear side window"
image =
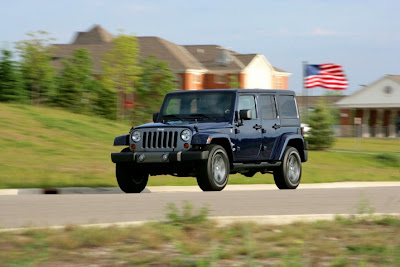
column 287, row 107
column 268, row 108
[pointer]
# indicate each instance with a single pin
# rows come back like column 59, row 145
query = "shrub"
column 321, row 132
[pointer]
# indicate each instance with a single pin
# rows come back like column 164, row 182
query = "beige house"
column 374, row 111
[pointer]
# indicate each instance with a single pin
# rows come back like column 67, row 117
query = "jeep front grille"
column 160, row 139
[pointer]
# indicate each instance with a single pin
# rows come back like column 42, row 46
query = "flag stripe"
column 330, row 76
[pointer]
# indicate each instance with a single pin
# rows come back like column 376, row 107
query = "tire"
column 129, row 179
column 213, row 174
column 288, row 175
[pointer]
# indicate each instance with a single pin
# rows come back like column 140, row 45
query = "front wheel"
column 130, row 180
column 288, row 175
column 214, row 173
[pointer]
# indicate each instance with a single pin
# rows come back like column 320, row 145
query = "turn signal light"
column 133, row 146
column 186, row 145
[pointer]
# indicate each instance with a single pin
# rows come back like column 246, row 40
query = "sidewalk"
column 172, row 189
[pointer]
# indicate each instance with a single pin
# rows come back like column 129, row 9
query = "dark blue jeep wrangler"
column 210, row 134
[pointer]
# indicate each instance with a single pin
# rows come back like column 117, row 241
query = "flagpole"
column 305, row 94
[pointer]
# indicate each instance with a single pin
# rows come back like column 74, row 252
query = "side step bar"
column 261, row 165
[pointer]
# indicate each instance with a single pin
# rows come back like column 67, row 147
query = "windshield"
column 209, row 106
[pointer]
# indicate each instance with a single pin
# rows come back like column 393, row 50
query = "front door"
column 248, row 136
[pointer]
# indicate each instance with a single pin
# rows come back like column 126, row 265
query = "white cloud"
column 322, row 32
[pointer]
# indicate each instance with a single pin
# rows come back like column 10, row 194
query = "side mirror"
column 245, row 114
column 155, row 116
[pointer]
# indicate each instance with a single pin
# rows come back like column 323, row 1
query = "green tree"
column 156, row 79
column 10, row 79
column 120, row 68
column 73, row 90
column 37, row 72
column 104, row 100
column 321, row 132
column 233, row 82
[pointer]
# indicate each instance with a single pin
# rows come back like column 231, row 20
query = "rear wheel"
column 213, row 174
column 288, row 175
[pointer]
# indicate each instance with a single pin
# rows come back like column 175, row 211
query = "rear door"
column 271, row 125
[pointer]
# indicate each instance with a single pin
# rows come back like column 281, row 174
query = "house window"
column 278, row 82
column 196, row 78
column 219, row 78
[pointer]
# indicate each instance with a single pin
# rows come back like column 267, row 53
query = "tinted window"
column 268, row 109
column 248, row 102
column 287, row 107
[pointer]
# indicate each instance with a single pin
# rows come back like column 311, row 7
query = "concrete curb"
column 174, row 189
column 228, row 220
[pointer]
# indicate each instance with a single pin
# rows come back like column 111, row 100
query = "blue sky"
column 361, row 35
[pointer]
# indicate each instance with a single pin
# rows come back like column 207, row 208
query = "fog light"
column 165, row 157
column 141, row 158
column 186, row 145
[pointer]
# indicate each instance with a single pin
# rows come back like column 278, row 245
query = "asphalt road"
column 57, row 210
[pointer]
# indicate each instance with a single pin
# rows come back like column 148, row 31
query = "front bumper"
column 159, row 157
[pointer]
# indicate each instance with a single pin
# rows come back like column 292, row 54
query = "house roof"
column 281, row 71
column 382, row 93
column 245, row 58
column 177, row 56
column 215, row 57
column 394, row 77
column 198, row 58
column 96, row 35
column 97, row 52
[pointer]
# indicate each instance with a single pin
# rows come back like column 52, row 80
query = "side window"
column 287, row 107
column 248, row 102
column 268, row 108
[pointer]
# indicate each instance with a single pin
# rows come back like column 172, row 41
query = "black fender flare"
column 122, row 140
column 296, row 141
column 215, row 138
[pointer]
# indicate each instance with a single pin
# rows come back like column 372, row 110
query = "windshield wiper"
column 201, row 115
column 172, row 116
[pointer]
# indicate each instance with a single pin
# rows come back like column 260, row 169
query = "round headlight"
column 185, row 135
column 135, row 136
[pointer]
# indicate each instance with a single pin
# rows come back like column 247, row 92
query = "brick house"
column 194, row 66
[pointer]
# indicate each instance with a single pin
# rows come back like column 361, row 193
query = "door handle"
column 257, row 127
column 276, row 126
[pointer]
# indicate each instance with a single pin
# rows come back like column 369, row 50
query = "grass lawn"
column 47, row 147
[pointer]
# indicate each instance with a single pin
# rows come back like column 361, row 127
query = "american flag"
column 329, row 76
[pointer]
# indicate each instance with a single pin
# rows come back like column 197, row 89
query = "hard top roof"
column 257, row 91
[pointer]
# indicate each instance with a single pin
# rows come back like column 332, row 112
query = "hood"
column 203, row 126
